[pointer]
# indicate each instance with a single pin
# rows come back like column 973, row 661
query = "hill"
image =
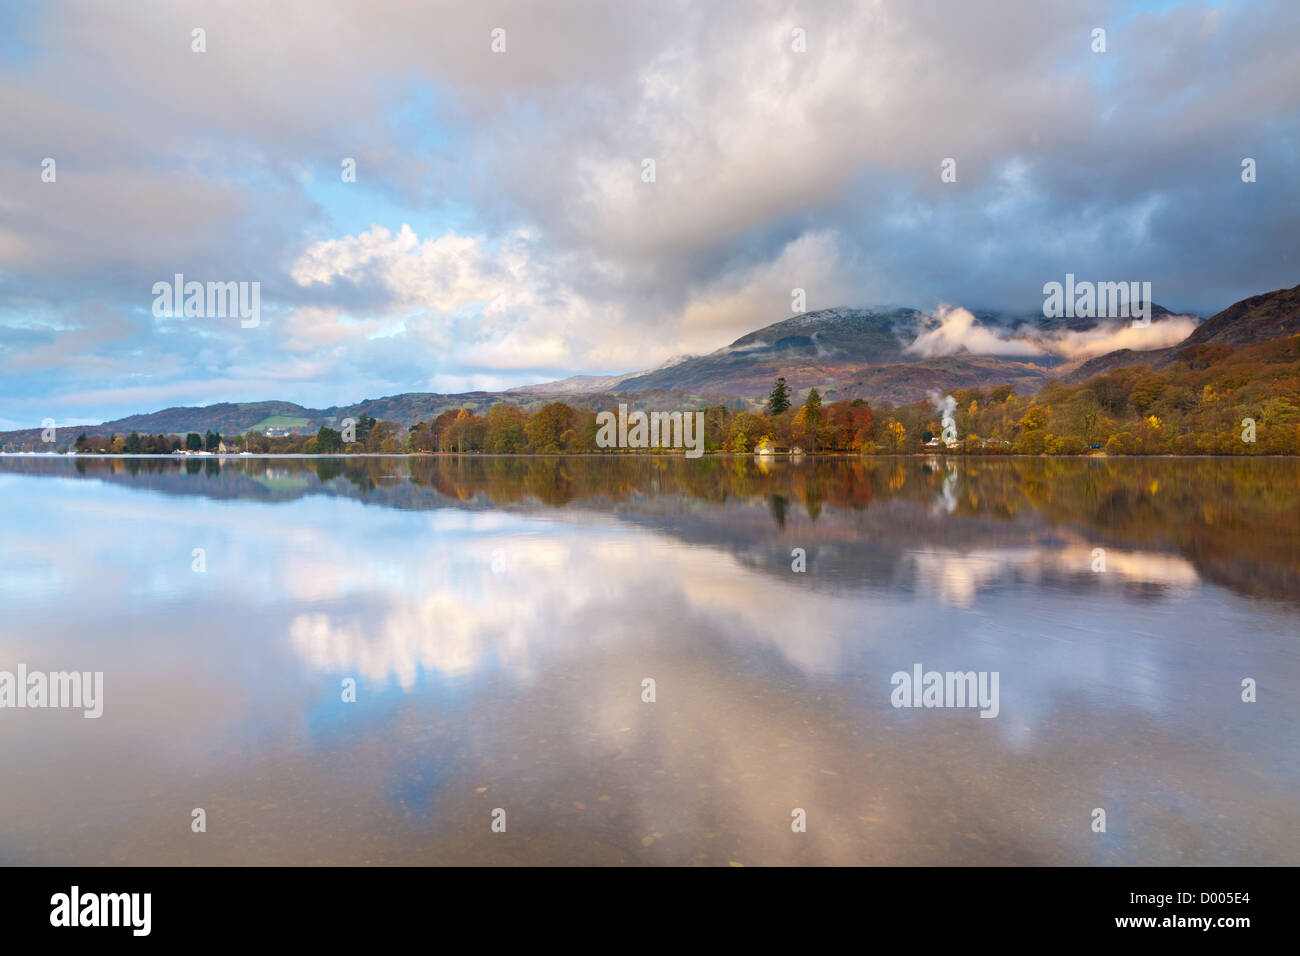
column 1271, row 315
column 1260, row 318
column 847, row 353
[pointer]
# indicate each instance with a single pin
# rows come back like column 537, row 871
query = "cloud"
column 534, row 247
column 957, row 330
column 1110, row 336
column 951, row 330
column 446, row 273
column 754, row 294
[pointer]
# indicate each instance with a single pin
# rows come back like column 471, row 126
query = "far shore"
column 610, row 454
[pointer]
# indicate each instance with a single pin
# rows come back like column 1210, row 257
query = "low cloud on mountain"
column 954, row 330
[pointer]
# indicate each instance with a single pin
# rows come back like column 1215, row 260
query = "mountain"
column 848, row 353
column 810, row 349
column 1271, row 315
column 865, row 353
column 1120, row 358
column 844, row 352
column 573, row 385
column 589, row 384
column 407, row 409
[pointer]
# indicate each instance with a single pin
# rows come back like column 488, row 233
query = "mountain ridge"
column 846, row 352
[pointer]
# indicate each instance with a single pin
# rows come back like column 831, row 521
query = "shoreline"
column 620, row 454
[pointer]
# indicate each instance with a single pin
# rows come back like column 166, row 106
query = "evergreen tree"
column 813, row 403
column 779, row 400
column 329, row 441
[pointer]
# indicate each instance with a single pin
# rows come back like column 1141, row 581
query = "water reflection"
column 499, row 616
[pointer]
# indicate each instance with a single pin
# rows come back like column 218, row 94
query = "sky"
column 501, row 228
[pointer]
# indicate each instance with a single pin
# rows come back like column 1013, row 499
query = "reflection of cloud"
column 1139, row 567
column 429, row 635
column 493, row 601
column 517, row 600
column 509, row 600
column 957, row 577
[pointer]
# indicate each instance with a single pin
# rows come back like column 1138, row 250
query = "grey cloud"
column 1121, row 165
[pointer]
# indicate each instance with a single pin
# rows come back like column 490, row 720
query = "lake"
column 499, row 622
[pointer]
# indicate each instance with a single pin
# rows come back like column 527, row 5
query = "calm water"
column 500, row 615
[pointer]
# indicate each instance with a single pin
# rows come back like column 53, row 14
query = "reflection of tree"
column 1236, row 519
column 778, row 504
column 328, row 469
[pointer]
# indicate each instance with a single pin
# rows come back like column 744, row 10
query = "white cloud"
column 1124, row 335
column 953, row 330
column 749, row 297
column 958, row 330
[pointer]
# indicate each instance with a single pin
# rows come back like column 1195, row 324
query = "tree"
column 1034, row 419
column 747, row 429
column 441, row 428
column 466, row 431
column 1146, row 393
column 895, row 435
column 779, row 400
column 81, row 442
column 211, row 440
column 381, row 437
column 546, row 427
column 193, row 442
column 813, row 403
column 807, row 425
column 421, row 438
column 328, row 441
column 505, row 429
column 849, row 425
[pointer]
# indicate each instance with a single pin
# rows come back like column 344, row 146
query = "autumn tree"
column 465, row 433
column 747, row 429
column 849, row 425
column 806, row 428
column 505, row 429
column 441, row 426
column 895, row 435
column 547, row 426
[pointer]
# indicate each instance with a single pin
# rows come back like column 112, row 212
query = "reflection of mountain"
column 1163, row 522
